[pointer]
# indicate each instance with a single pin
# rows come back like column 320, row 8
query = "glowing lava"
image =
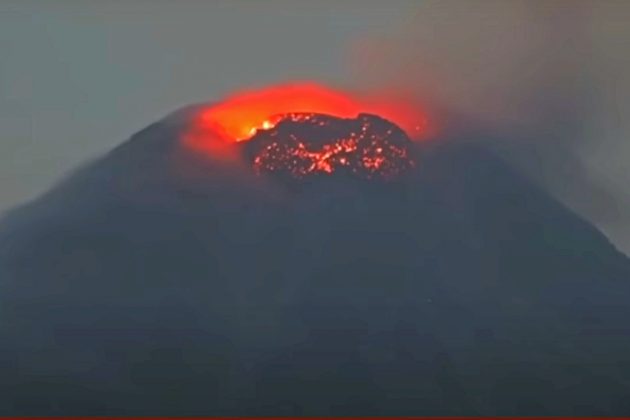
column 301, row 144
column 240, row 116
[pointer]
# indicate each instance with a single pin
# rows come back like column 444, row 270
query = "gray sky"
column 78, row 77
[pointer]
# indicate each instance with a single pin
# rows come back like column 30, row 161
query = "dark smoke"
column 159, row 281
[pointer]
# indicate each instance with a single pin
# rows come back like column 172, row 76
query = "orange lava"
column 238, row 117
column 305, row 144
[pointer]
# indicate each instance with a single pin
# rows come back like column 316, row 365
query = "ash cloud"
column 548, row 80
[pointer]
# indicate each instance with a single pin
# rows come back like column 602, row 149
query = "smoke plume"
column 548, row 80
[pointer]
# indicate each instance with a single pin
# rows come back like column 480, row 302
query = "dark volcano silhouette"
column 159, row 282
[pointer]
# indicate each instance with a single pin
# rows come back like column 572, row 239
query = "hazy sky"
column 78, row 77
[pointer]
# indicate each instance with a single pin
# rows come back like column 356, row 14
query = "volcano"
column 427, row 278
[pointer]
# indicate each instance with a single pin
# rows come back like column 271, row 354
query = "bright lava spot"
column 305, row 144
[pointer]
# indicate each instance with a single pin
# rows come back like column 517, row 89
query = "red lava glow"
column 240, row 116
column 303, row 144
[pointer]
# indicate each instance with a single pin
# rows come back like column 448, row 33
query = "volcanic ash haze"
column 168, row 279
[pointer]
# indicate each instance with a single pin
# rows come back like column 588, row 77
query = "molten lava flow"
column 302, row 144
column 241, row 116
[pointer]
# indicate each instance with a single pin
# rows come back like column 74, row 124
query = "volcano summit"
column 303, row 144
